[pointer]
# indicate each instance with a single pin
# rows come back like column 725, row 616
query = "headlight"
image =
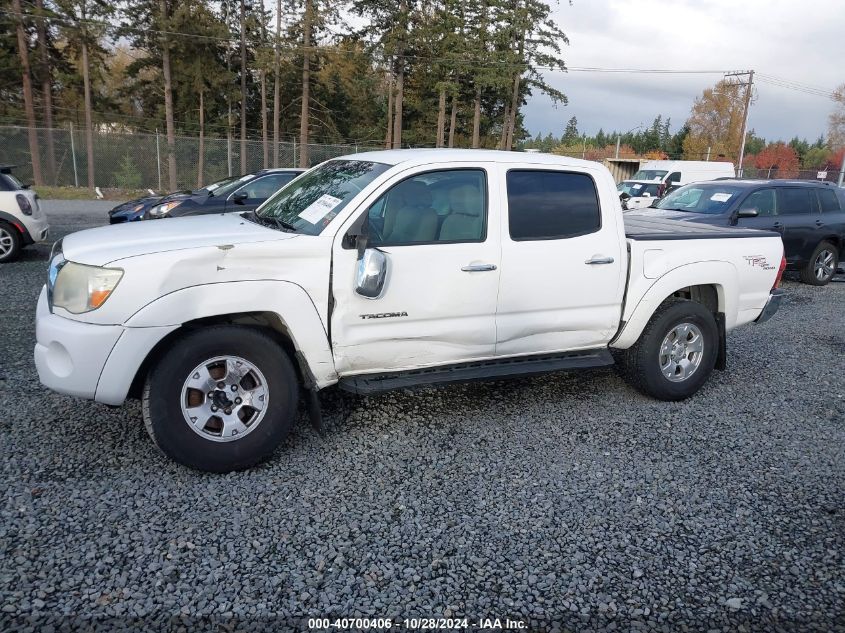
column 161, row 210
column 79, row 288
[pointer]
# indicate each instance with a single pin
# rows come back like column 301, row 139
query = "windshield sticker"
column 319, row 209
column 637, row 187
column 721, row 197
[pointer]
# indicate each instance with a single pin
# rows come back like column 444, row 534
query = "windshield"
column 635, row 189
column 311, row 201
column 224, row 188
column 650, row 174
column 213, row 187
column 701, row 198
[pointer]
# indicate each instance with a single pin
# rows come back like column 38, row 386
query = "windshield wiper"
column 270, row 220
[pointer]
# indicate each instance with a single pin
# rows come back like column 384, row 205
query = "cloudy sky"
column 794, row 40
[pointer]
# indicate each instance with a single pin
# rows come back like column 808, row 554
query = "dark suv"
column 809, row 215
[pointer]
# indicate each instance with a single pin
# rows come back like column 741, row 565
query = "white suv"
column 21, row 220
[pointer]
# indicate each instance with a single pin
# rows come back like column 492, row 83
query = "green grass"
column 83, row 193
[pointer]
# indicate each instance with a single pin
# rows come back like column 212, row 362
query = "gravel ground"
column 568, row 502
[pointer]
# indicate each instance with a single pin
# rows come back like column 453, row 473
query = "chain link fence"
column 139, row 161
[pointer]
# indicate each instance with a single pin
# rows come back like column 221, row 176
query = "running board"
column 514, row 367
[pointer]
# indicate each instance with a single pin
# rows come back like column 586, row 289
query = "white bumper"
column 97, row 362
column 36, row 225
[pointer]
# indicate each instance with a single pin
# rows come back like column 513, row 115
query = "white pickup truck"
column 384, row 270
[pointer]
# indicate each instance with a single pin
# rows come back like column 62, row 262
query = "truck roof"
column 428, row 155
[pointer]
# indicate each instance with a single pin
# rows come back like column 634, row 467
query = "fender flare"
column 145, row 329
column 722, row 275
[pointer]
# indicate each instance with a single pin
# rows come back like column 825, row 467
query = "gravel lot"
column 569, row 502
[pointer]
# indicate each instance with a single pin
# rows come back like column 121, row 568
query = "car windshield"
column 712, row 198
column 309, row 203
column 650, row 174
column 213, row 187
column 635, row 189
column 225, row 188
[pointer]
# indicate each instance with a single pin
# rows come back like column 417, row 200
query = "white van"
column 675, row 173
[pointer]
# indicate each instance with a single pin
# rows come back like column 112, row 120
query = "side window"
column 828, row 201
column 545, row 205
column 795, row 201
column 437, row 206
column 265, row 186
column 674, row 177
column 652, row 190
column 763, row 201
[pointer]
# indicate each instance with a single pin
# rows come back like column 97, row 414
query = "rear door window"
column 795, row 201
column 547, row 205
column 828, row 201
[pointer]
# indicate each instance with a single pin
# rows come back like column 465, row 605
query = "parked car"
column 810, row 216
column 383, row 270
column 22, row 222
column 239, row 194
column 638, row 194
column 673, row 173
column 133, row 210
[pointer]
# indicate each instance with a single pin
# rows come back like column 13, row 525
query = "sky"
column 801, row 41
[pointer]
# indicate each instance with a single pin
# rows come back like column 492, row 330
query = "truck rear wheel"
column 676, row 352
column 821, row 267
column 221, row 399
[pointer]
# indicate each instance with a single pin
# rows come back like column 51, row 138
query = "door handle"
column 478, row 268
column 599, row 260
column 777, row 225
column 819, row 223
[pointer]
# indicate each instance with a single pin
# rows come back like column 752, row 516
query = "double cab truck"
column 385, row 270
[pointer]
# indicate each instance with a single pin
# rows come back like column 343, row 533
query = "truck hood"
column 100, row 246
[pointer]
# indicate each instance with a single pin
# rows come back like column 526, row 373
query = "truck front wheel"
column 221, row 398
column 676, row 352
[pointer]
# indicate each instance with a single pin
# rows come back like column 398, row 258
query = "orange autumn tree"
column 777, row 160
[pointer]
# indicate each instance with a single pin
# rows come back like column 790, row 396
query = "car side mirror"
column 646, row 195
column 239, row 198
column 747, row 213
column 371, row 273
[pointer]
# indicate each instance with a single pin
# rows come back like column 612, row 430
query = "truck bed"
column 643, row 227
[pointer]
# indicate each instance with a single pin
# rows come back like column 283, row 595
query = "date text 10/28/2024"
column 416, row 624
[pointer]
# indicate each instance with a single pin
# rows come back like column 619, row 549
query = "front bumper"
column 97, row 362
column 772, row 306
column 70, row 355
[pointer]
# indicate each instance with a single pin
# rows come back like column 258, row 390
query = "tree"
column 532, row 42
column 45, row 74
column 29, row 106
column 716, row 122
column 570, row 134
column 777, row 160
column 82, row 20
column 816, row 158
column 836, row 121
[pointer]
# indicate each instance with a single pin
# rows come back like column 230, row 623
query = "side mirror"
column 646, row 195
column 747, row 213
column 239, row 198
column 371, row 273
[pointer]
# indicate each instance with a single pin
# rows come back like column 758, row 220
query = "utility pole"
column 842, row 171
column 748, row 85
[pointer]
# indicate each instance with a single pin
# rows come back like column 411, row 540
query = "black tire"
column 10, row 243
column 641, row 364
column 825, row 251
column 163, row 393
